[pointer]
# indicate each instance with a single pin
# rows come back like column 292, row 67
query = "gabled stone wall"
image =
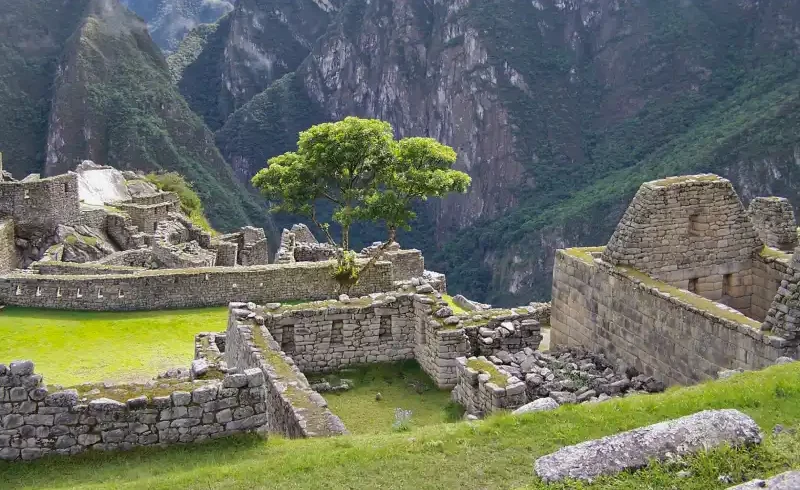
column 773, row 218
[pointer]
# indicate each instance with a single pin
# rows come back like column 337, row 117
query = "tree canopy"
column 358, row 166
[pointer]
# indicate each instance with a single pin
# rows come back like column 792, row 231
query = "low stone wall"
column 673, row 335
column 437, row 345
column 293, row 408
column 36, row 422
column 191, row 288
column 482, row 392
column 9, row 258
column 56, row 268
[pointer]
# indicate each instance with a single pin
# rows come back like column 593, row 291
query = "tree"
column 358, row 166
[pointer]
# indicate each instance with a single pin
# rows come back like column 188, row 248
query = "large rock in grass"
column 634, row 449
column 785, row 481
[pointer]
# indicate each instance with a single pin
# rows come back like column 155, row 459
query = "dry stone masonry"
column 683, row 286
column 773, row 218
column 35, row 421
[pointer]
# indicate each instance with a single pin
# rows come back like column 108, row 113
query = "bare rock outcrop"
column 636, row 448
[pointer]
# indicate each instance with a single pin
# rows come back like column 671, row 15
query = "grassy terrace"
column 70, row 347
column 402, row 385
column 496, row 454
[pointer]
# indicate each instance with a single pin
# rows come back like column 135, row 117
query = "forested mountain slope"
column 558, row 110
column 84, row 80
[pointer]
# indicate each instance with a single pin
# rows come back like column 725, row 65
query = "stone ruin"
column 100, row 216
column 690, row 284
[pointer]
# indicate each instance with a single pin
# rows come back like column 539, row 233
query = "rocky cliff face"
column 558, row 109
column 103, row 91
column 170, row 20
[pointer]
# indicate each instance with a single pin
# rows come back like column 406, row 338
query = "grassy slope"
column 403, row 385
column 70, row 347
column 495, row 454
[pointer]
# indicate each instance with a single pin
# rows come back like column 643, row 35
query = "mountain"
column 83, row 80
column 169, row 21
column 558, row 109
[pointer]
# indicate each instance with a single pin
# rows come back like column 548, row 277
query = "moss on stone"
column 769, row 252
column 688, row 297
column 685, row 178
column 124, row 392
column 584, row 253
column 495, row 376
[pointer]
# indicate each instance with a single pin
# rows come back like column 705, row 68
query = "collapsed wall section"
column 36, row 422
column 293, row 408
column 674, row 335
column 190, row 288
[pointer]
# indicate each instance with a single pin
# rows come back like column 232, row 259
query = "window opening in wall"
column 19, row 291
column 66, row 188
column 155, row 227
column 287, row 339
column 26, row 194
column 385, row 331
column 120, row 294
column 693, row 285
column 99, row 293
column 78, row 294
column 727, row 279
column 336, row 332
column 694, row 228
column 38, row 291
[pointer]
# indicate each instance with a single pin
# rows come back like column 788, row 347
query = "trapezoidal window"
column 693, row 285
column 336, row 332
column 287, row 339
column 385, row 331
column 695, row 225
column 727, row 284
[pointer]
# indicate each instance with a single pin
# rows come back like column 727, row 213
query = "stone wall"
column 437, row 345
column 773, row 219
column 407, row 264
column 146, row 216
column 481, row 393
column 37, row 206
column 690, row 232
column 189, row 288
column 9, row 258
column 769, row 269
column 293, row 408
column 676, row 336
column 36, row 422
column 55, row 268
column 332, row 337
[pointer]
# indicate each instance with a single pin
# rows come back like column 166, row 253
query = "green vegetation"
column 497, row 453
column 191, row 205
column 189, row 49
column 125, row 391
column 452, row 304
column 488, row 368
column 693, row 299
column 402, row 385
column 358, row 168
column 70, row 347
column 769, row 252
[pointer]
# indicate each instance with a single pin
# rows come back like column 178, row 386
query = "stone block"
column 21, row 368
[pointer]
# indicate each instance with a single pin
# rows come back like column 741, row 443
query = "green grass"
column 497, row 453
column 402, row 385
column 487, row 367
column 70, row 347
column 452, row 304
column 768, row 252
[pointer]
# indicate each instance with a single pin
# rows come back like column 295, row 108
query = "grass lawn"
column 497, row 453
column 71, row 347
column 402, row 385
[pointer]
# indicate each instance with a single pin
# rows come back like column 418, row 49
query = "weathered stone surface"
column 540, row 405
column 21, row 368
column 789, row 480
column 633, row 449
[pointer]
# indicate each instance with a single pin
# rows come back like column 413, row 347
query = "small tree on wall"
column 367, row 175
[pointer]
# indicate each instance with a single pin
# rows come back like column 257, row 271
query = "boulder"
column 540, row 405
column 636, row 448
column 789, row 480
